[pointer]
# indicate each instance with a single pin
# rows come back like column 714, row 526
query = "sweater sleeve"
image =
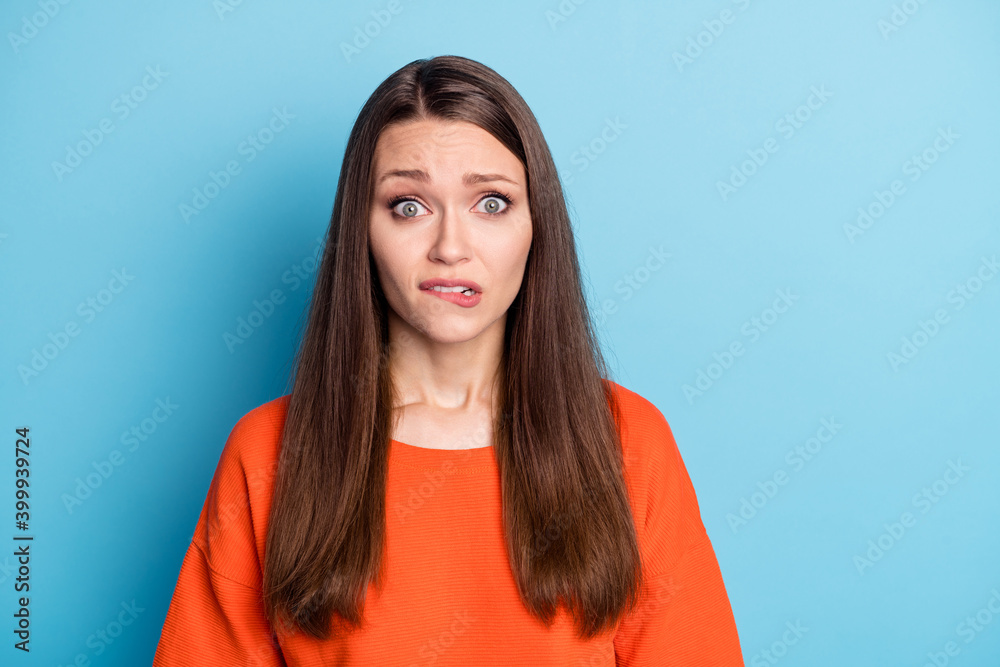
column 213, row 620
column 684, row 616
column 216, row 615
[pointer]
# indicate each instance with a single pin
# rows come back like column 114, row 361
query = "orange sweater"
column 449, row 597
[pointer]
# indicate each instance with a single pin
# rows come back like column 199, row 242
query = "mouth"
column 467, row 291
column 451, row 285
column 461, row 293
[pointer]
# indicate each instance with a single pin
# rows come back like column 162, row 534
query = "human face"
column 460, row 212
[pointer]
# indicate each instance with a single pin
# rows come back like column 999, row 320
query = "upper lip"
column 450, row 282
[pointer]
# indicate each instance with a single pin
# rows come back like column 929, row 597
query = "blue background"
column 643, row 138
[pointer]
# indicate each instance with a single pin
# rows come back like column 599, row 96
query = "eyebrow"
column 469, row 178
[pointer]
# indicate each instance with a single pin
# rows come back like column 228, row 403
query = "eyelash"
column 393, row 202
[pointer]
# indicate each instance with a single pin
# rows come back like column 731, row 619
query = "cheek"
column 384, row 269
column 393, row 262
column 389, row 274
column 385, row 254
column 519, row 245
column 509, row 258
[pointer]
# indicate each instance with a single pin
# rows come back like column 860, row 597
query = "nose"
column 451, row 243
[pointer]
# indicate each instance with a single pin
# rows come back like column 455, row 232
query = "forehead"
column 426, row 143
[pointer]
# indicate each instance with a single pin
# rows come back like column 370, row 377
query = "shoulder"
column 255, row 439
column 664, row 502
column 232, row 528
column 644, row 430
column 250, row 455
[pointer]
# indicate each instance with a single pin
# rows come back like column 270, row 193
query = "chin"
column 446, row 334
column 448, row 328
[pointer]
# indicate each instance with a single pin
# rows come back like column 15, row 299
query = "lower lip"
column 457, row 297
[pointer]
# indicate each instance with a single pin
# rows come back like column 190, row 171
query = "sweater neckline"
column 433, row 459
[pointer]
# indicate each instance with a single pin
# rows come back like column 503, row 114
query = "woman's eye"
column 493, row 204
column 408, row 208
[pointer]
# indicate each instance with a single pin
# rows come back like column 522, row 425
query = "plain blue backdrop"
column 787, row 217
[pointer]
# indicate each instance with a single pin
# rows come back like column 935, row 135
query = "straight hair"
column 567, row 520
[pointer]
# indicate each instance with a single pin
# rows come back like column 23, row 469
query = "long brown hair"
column 567, row 519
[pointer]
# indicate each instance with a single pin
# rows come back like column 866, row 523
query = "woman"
column 453, row 480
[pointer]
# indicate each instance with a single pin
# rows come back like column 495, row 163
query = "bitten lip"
column 454, row 282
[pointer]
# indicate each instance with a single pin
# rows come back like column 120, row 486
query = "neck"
column 447, row 375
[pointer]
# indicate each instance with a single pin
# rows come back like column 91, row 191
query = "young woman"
column 453, row 480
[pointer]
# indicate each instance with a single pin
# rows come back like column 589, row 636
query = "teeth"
column 468, row 291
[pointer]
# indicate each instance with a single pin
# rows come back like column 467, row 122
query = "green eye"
column 405, row 208
column 495, row 203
